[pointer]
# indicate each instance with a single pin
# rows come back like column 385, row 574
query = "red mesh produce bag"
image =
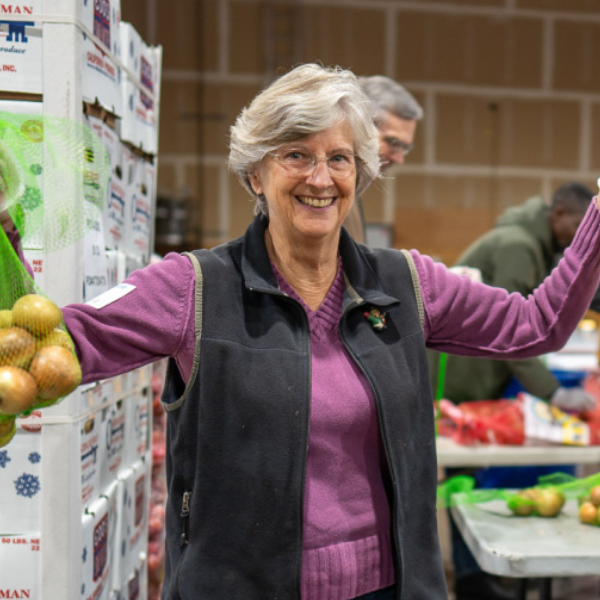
column 482, row 421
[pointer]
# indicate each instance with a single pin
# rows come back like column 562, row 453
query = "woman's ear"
column 255, row 183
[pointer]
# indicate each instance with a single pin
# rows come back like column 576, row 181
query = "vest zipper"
column 184, row 539
column 383, row 437
column 304, row 318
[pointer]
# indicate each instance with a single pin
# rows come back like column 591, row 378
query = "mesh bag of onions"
column 39, row 159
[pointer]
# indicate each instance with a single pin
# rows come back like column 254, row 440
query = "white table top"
column 512, row 546
column 450, row 454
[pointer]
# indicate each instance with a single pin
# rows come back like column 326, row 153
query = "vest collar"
column 362, row 284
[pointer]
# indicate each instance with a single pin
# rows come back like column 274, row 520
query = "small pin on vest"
column 376, row 318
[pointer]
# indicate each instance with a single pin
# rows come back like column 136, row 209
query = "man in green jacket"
column 517, row 254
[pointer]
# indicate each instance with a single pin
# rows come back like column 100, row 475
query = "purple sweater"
column 347, row 548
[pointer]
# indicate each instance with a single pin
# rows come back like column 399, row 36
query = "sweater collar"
column 362, row 285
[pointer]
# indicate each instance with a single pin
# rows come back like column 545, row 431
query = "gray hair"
column 307, row 100
column 389, row 95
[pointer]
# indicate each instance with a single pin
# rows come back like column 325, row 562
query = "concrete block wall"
column 510, row 88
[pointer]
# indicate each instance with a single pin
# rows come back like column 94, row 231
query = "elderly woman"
column 301, row 444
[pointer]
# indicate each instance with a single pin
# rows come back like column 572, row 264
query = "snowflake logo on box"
column 100, row 547
column 34, row 458
column 27, row 485
column 4, row 458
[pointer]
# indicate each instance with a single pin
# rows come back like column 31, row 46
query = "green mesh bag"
column 39, row 160
column 545, row 499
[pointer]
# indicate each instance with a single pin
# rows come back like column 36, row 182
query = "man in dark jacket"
column 517, row 254
column 396, row 119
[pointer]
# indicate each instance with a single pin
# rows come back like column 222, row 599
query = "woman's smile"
column 315, row 202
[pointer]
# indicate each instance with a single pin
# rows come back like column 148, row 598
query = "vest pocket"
column 184, row 538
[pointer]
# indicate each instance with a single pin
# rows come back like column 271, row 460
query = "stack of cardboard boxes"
column 75, row 480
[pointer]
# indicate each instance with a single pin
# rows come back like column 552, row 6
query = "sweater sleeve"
column 154, row 321
column 472, row 319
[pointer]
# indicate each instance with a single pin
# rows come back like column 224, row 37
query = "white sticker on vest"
column 111, row 295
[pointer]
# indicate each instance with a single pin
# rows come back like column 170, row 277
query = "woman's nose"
column 320, row 174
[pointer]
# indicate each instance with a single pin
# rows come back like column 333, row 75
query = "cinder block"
column 523, row 132
column 575, row 60
column 572, row 6
column 469, row 49
column 352, row 39
column 440, row 215
column 246, row 38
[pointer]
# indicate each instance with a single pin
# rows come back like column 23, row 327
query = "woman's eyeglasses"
column 302, row 162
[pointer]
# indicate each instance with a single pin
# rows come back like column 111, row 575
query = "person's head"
column 567, row 209
column 312, row 111
column 396, row 117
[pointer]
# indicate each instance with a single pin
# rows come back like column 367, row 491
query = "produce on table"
column 540, row 501
column 589, row 507
column 589, row 514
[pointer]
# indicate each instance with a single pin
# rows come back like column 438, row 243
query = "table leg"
column 546, row 588
column 522, row 588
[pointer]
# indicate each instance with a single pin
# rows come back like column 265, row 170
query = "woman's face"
column 312, row 201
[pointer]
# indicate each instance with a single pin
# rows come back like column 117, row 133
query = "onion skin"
column 549, row 502
column 17, row 347
column 56, row 371
column 8, row 428
column 18, row 390
column 595, row 496
column 588, row 513
column 5, row 318
column 38, row 314
column 57, row 337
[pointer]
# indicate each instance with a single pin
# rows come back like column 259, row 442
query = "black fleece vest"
column 238, row 433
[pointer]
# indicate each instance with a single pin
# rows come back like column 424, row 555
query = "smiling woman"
column 308, row 100
column 301, row 443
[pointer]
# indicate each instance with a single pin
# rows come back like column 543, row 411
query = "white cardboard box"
column 135, row 586
column 138, row 425
column 20, row 478
column 21, row 48
column 101, row 78
column 103, row 19
column 140, row 217
column 20, row 560
column 118, row 199
column 139, row 124
column 114, row 435
column 92, row 452
column 132, row 518
column 95, row 560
